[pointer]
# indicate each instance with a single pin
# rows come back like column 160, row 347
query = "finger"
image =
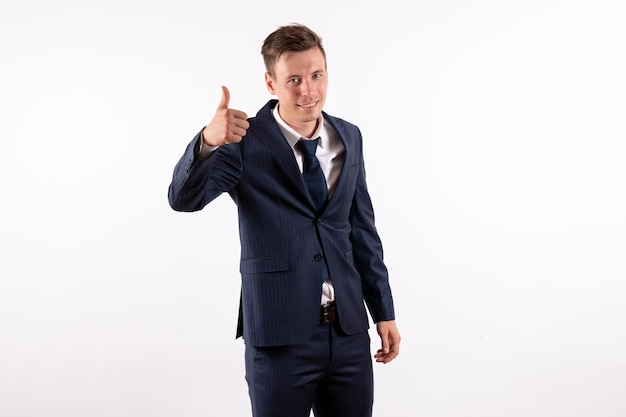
column 238, row 131
column 238, row 114
column 382, row 357
column 225, row 98
column 239, row 126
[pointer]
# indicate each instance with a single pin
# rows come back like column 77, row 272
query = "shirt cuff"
column 204, row 151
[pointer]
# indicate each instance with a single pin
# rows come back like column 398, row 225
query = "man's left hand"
column 390, row 339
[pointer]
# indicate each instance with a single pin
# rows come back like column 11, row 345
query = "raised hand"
column 228, row 125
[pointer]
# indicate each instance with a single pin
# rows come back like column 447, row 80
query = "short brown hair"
column 294, row 37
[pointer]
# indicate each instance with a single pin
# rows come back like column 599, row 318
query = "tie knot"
column 307, row 147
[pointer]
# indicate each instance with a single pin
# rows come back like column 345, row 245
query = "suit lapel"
column 348, row 156
column 278, row 146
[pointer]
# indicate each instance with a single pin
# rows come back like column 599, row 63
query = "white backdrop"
column 496, row 159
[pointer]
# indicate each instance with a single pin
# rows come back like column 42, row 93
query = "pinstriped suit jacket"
column 283, row 240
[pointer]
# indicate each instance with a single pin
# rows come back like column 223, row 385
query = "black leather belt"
column 328, row 312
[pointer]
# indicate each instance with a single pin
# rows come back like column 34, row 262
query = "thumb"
column 225, row 98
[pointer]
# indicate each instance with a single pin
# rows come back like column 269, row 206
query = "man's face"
column 300, row 83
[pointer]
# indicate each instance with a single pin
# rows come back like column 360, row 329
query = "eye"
column 294, row 81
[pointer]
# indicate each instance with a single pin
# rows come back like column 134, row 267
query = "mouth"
column 308, row 105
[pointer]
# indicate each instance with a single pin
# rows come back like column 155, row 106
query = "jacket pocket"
column 262, row 265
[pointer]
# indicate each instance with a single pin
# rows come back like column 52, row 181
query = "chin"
column 313, row 117
column 313, row 111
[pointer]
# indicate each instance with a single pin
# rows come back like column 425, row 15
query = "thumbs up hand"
column 228, row 125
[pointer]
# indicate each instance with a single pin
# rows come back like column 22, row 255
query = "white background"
column 495, row 142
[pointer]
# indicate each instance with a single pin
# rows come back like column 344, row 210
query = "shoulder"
column 342, row 124
column 343, row 127
column 264, row 115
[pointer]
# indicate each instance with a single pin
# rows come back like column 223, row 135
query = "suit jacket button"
column 317, row 257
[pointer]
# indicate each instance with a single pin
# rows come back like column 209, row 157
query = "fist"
column 228, row 125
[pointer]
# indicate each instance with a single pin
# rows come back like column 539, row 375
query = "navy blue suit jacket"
column 283, row 240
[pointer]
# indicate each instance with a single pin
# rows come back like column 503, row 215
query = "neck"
column 308, row 129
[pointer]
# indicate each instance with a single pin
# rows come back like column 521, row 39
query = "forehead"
column 300, row 62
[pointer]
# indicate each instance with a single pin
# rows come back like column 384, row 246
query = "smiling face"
column 300, row 81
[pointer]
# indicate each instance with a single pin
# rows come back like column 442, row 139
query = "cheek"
column 289, row 93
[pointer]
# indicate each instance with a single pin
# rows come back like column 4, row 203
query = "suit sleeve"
column 196, row 181
column 368, row 253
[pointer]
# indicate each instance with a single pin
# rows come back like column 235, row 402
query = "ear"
column 269, row 83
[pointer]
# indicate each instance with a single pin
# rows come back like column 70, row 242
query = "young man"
column 310, row 252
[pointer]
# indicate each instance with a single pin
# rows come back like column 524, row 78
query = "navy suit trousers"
column 331, row 374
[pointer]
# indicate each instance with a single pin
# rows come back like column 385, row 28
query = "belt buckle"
column 324, row 316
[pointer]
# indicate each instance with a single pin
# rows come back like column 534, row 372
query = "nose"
column 305, row 87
